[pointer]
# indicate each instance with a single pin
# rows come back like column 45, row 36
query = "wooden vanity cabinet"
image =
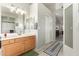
column 18, row 46
column 30, row 44
column 9, row 50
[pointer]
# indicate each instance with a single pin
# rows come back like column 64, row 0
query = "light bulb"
column 13, row 9
column 18, row 10
column 22, row 12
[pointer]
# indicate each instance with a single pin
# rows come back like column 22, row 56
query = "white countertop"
column 18, row 36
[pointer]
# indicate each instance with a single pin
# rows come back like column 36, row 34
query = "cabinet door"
column 9, row 50
column 32, row 43
column 13, row 49
column 19, row 48
column 27, row 45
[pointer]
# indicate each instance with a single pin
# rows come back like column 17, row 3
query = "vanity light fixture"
column 11, row 7
column 23, row 12
column 17, row 10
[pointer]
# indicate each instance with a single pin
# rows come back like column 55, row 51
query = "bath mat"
column 54, row 49
column 30, row 53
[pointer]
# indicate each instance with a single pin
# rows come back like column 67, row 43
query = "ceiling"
column 58, row 9
column 23, row 6
column 50, row 6
column 19, row 5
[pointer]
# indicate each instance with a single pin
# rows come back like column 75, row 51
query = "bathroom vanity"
column 18, row 45
column 17, row 31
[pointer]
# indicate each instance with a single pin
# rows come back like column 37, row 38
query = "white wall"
column 76, row 28
column 59, row 5
column 34, row 11
column 75, row 50
column 43, row 14
column 0, row 19
column 34, row 14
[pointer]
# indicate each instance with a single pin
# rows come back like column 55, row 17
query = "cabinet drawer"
column 29, row 44
column 19, row 40
column 5, row 42
column 12, row 41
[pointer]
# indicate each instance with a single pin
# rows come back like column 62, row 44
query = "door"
column 69, row 26
column 48, row 29
column 41, row 31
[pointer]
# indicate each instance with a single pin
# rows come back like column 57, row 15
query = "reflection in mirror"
column 12, row 22
column 30, row 23
column 15, row 19
column 8, row 24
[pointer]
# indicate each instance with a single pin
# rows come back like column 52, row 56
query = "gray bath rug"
column 54, row 49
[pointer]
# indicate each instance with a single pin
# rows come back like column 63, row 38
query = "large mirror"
column 11, row 22
column 16, row 19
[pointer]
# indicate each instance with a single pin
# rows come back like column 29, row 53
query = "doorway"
column 49, row 29
column 59, row 25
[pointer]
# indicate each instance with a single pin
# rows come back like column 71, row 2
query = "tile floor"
column 41, row 53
